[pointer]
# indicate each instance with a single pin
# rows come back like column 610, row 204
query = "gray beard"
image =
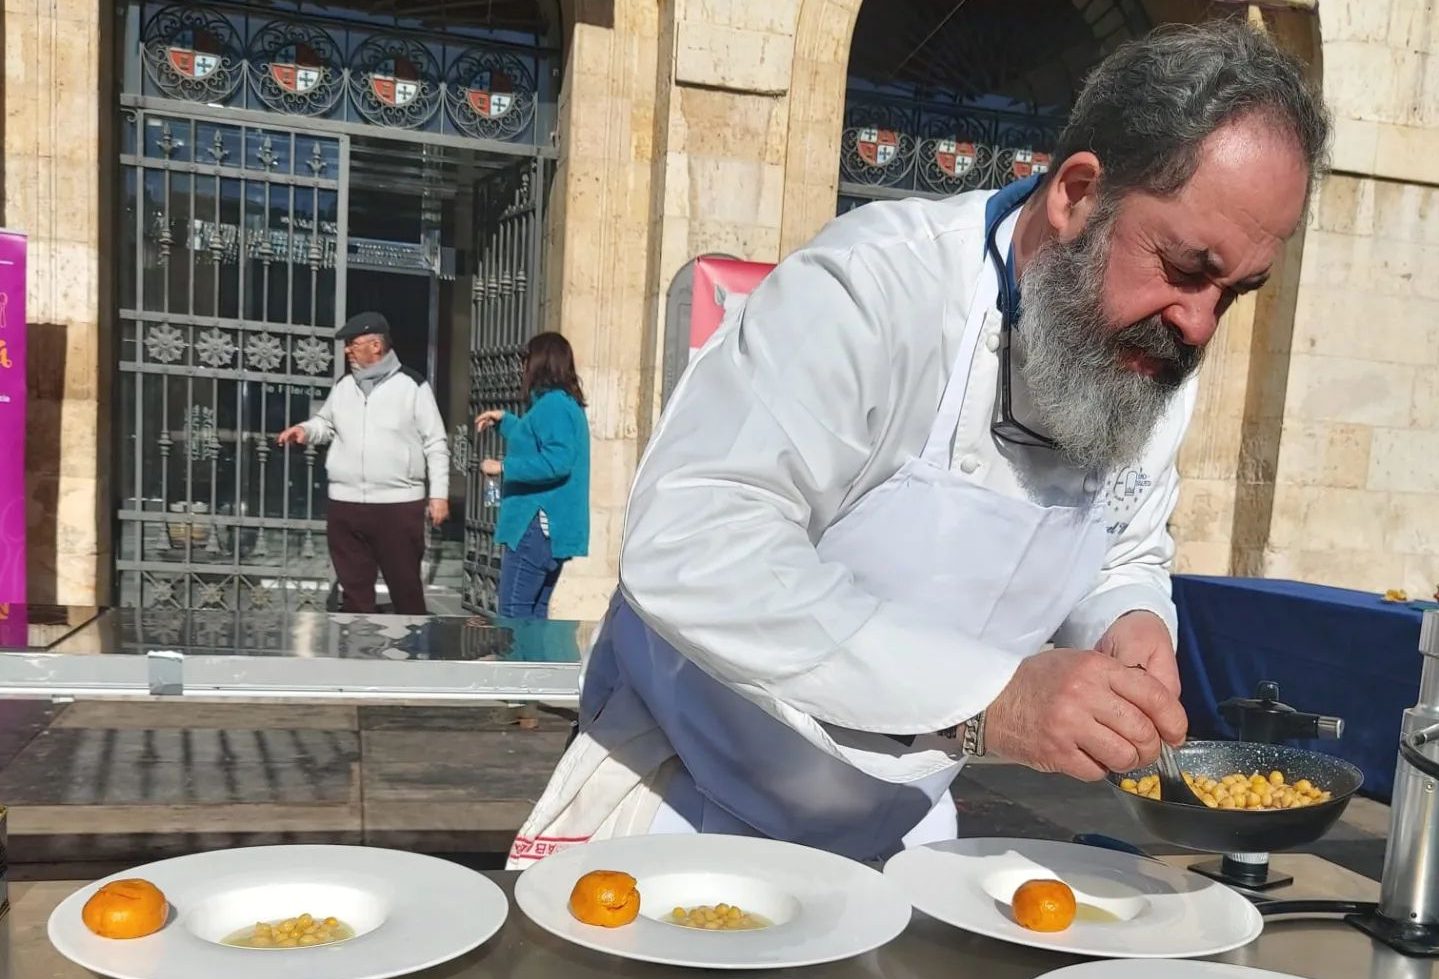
column 1099, row 413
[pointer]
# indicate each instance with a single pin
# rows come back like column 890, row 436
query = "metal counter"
column 57, row 652
column 927, row 950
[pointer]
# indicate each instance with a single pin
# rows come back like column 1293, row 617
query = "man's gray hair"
column 1146, row 109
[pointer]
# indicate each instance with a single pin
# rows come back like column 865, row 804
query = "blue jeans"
column 527, row 576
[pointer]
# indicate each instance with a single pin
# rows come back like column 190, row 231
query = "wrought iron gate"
column 232, row 282
column 249, row 128
column 505, row 313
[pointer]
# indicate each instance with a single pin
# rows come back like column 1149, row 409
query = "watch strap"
column 970, row 733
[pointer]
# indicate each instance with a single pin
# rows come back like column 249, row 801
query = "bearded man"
column 909, row 504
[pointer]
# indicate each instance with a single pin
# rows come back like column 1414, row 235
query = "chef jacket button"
column 968, row 464
column 991, row 342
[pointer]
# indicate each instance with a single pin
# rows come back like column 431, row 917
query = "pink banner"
column 717, row 279
column 12, row 417
column 14, row 627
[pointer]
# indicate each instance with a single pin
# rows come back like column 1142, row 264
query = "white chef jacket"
column 816, row 391
column 780, row 428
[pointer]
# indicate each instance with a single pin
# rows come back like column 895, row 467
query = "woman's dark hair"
column 550, row 365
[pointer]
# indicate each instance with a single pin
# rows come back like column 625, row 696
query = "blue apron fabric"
column 1331, row 650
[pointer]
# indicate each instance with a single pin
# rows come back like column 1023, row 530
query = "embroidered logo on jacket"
column 1126, row 493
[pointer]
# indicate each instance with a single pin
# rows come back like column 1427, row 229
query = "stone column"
column 719, row 172
column 674, row 125
column 55, row 173
column 1230, row 456
column 1356, row 485
column 1209, row 460
column 598, row 260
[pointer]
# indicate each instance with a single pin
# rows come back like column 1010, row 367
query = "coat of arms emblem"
column 1027, row 163
column 194, row 53
column 491, row 94
column 955, row 159
column 297, row 69
column 878, row 147
column 395, row 82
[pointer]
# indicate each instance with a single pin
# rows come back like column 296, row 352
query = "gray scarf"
column 368, row 377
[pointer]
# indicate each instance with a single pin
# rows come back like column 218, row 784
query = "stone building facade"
column 698, row 127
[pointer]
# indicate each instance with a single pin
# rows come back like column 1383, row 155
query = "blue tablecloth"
column 1332, row 651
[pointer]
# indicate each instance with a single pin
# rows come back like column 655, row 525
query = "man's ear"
column 1072, row 194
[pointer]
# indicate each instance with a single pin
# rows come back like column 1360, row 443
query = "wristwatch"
column 972, row 734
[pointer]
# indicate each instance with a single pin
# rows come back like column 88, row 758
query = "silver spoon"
column 1172, row 787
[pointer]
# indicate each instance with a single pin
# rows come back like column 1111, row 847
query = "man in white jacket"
column 386, row 435
column 934, row 440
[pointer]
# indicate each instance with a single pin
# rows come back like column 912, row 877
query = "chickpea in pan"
column 1252, row 792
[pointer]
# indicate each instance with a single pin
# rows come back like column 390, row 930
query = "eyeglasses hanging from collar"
column 1008, row 428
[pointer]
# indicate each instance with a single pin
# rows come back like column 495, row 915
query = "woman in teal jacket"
column 545, row 504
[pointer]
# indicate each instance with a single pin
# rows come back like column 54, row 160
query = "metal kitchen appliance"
column 1406, row 917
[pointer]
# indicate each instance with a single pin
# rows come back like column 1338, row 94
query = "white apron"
column 666, row 747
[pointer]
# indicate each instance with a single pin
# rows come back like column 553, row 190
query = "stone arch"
column 823, row 31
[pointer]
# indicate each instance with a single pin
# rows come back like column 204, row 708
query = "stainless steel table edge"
column 52, row 675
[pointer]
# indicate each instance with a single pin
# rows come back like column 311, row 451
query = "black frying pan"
column 1238, row 831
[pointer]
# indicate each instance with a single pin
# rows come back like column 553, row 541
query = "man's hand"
column 488, row 419
column 1142, row 639
column 439, row 511
column 492, row 467
column 295, row 434
column 1082, row 713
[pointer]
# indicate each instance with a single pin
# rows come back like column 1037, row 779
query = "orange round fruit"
column 607, row 898
column 1044, row 905
column 125, row 909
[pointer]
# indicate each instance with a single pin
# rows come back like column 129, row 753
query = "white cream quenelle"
column 826, row 548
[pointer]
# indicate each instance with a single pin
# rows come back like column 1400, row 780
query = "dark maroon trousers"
column 383, row 538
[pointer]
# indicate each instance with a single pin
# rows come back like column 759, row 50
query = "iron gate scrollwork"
column 889, row 150
column 296, row 67
column 505, row 313
column 244, row 56
column 396, row 82
column 231, row 282
column 193, row 53
column 967, row 100
column 491, row 94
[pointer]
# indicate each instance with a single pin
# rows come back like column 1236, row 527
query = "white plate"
column 409, row 911
column 824, row 907
column 1132, row 969
column 1163, row 912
